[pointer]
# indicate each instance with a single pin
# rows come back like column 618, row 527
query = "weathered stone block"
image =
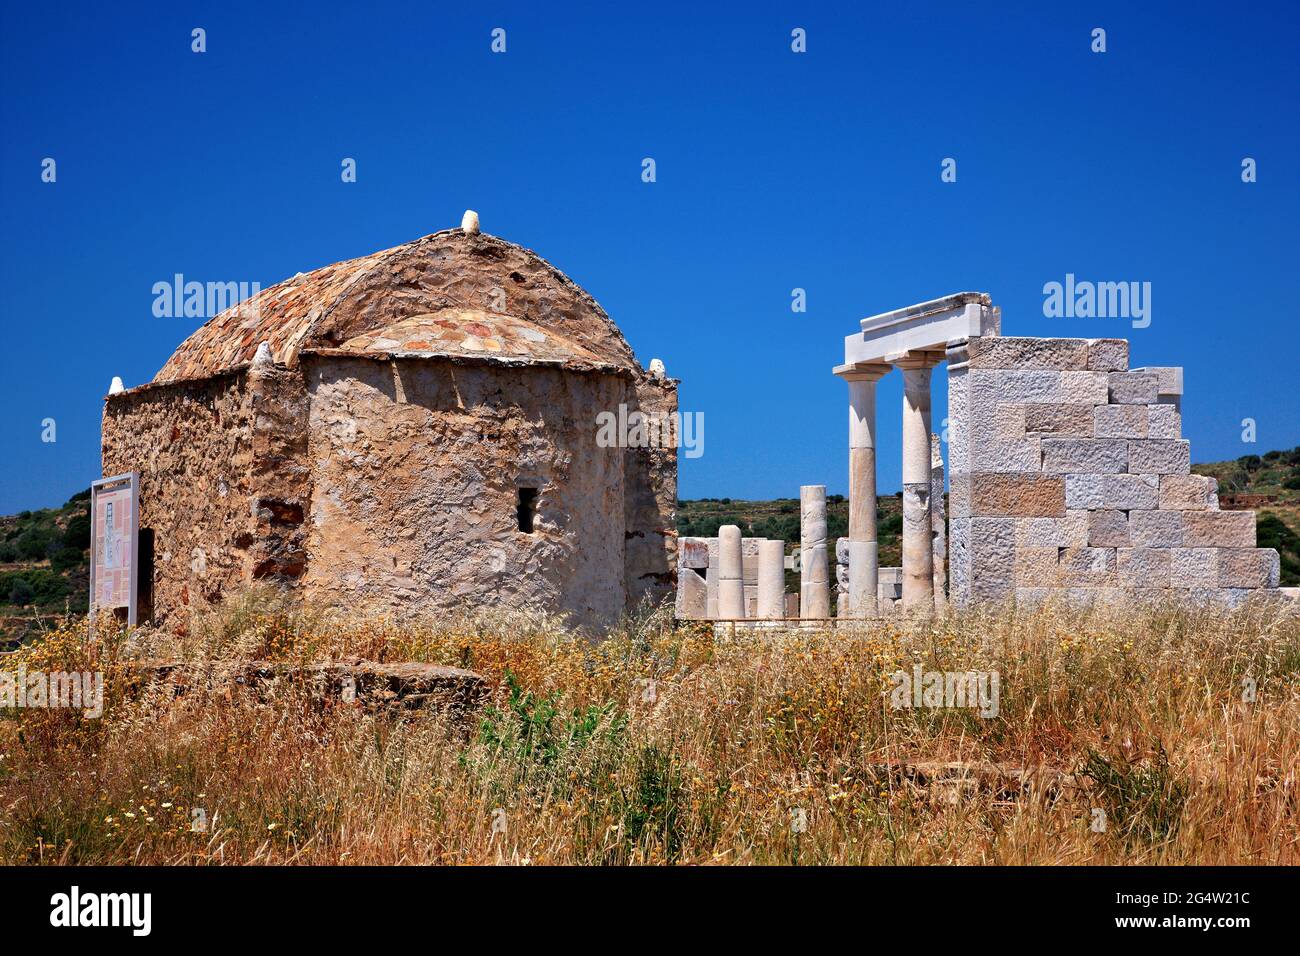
column 1227, row 598
column 1108, row 355
column 1036, row 532
column 1132, row 388
column 1194, row 568
column 1160, row 457
column 1087, row 567
column 1185, row 492
column 1130, row 492
column 1164, row 421
column 959, row 495
column 993, row 550
column 1017, row 495
column 1037, row 567
column 1083, row 388
column 692, row 552
column 1057, row 419
column 1016, row 352
column 1219, row 529
column 1072, row 530
column 1156, row 529
column 1010, row 422
column 1084, row 492
column 1033, row 597
column 1142, row 567
column 1169, row 379
column 1248, row 567
column 1084, row 456
column 1015, row 385
column 1006, row 456
column 1108, row 529
column 692, row 595
column 1120, row 421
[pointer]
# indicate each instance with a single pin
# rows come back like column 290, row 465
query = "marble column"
column 864, row 557
column 731, row 575
column 814, row 575
column 771, row 578
column 918, row 557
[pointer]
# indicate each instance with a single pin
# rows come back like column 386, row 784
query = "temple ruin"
column 1067, row 475
column 411, row 430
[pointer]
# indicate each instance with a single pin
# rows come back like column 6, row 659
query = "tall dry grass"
column 666, row 744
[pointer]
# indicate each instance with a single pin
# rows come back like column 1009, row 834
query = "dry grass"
column 580, row 760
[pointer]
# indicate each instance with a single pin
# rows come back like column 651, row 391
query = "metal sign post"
column 115, row 543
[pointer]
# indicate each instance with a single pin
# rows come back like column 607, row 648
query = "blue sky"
column 775, row 170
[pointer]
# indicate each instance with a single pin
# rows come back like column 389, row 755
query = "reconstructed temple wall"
column 1067, row 471
column 192, row 443
column 415, row 471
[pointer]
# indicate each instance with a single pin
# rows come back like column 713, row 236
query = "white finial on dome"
column 263, row 354
column 657, row 369
column 116, row 385
column 469, row 223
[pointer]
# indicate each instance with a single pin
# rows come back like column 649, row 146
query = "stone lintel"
column 924, row 326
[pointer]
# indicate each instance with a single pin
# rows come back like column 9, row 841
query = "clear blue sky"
column 775, row 170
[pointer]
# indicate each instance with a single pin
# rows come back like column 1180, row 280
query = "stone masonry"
column 1068, row 472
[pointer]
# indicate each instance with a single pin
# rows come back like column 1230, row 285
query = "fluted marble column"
column 918, row 557
column 864, row 557
column 731, row 575
column 814, row 576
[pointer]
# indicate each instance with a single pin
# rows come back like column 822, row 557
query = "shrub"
column 45, row 586
column 34, row 543
column 21, row 593
column 65, row 558
column 77, row 534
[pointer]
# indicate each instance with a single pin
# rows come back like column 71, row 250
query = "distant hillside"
column 44, row 564
column 1274, row 474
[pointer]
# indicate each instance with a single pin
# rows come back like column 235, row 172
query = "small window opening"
column 526, row 510
column 144, row 578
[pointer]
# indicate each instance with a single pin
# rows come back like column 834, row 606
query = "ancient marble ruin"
column 1067, row 475
column 414, row 429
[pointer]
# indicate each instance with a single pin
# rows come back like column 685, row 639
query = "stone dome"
column 452, row 294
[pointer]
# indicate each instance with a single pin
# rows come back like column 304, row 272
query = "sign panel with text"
column 115, row 523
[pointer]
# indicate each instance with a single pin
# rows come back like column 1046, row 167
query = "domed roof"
column 452, row 294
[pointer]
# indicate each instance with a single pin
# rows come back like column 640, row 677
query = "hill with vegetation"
column 44, row 564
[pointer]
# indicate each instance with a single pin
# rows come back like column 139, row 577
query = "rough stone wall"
column 281, row 476
column 192, row 444
column 651, row 502
column 1068, row 472
column 415, row 467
